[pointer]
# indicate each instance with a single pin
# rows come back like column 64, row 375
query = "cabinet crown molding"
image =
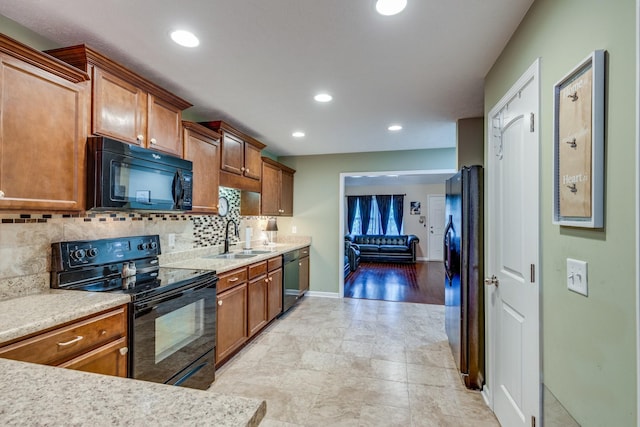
column 278, row 164
column 82, row 56
column 220, row 126
column 34, row 57
column 203, row 130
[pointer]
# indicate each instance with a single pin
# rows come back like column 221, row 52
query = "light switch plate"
column 172, row 240
column 577, row 279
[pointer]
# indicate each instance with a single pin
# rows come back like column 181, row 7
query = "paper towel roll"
column 248, row 233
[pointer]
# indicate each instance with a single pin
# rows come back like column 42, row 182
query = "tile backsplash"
column 25, row 239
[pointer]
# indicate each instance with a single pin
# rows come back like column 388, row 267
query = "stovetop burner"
column 126, row 265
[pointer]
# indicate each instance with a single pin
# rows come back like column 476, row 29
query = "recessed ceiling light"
column 323, row 97
column 185, row 38
column 298, row 134
column 390, row 7
column 395, row 128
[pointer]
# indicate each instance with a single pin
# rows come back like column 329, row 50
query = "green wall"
column 24, row 35
column 589, row 343
column 317, row 199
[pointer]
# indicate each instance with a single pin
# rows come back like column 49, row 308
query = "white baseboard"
column 323, row 294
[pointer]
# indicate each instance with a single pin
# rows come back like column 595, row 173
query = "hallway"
column 355, row 362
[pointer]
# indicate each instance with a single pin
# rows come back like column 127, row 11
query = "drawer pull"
column 124, row 350
column 73, row 341
column 103, row 332
column 234, row 279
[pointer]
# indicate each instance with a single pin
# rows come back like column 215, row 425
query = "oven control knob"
column 78, row 254
column 92, row 252
column 153, row 245
column 143, row 246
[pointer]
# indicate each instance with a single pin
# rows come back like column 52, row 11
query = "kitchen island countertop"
column 44, row 395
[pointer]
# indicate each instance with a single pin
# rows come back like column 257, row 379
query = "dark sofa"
column 385, row 248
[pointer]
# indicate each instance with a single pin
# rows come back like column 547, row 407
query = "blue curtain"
column 384, row 207
column 398, row 210
column 365, row 212
column 352, row 204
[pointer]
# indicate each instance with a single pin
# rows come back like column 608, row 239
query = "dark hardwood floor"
column 422, row 282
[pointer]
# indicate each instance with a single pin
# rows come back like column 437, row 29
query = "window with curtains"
column 375, row 220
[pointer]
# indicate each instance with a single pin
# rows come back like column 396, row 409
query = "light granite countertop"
column 29, row 314
column 205, row 260
column 44, row 395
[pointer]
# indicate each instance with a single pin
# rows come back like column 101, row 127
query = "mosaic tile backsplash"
column 25, row 239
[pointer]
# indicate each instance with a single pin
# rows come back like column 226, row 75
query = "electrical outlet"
column 577, row 276
column 171, row 240
column 294, row 229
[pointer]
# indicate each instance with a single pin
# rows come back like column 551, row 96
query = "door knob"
column 493, row 280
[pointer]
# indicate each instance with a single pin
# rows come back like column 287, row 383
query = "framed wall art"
column 578, row 137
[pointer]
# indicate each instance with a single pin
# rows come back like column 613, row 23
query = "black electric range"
column 172, row 313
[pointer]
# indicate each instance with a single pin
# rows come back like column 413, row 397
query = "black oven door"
column 174, row 335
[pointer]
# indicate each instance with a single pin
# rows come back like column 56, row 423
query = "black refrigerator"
column 464, row 273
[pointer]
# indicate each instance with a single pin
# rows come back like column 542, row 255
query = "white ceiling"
column 260, row 62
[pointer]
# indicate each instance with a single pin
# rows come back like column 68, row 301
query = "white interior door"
column 436, row 223
column 512, row 243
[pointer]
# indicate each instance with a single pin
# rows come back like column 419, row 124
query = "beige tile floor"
column 352, row 362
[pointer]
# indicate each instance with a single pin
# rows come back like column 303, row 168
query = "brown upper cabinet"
column 43, row 133
column 126, row 106
column 202, row 147
column 277, row 189
column 240, row 165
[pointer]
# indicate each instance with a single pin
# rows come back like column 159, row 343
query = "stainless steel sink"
column 253, row 251
column 232, row 256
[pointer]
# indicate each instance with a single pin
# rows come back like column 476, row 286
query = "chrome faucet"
column 226, row 235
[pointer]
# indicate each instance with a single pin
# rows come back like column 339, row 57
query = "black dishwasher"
column 292, row 292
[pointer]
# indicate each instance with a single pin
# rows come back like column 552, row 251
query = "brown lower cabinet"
column 248, row 299
column 97, row 343
column 231, row 324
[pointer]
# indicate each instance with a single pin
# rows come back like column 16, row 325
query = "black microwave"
column 122, row 176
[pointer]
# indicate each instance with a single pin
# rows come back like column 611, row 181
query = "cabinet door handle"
column 1, row 194
column 73, row 341
column 234, row 279
column 140, row 138
column 153, row 141
column 242, row 168
column 124, row 350
column 300, row 264
column 219, row 302
column 266, row 280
